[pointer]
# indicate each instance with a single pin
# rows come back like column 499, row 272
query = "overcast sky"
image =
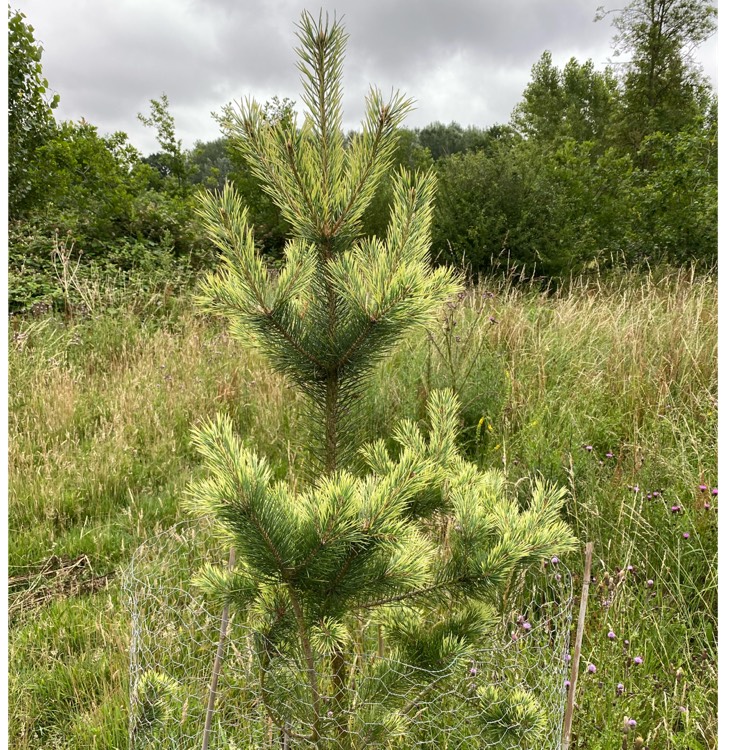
column 462, row 60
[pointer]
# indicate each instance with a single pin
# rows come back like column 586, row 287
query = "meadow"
column 607, row 386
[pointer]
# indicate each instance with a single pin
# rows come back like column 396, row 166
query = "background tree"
column 443, row 140
column 209, row 163
column 663, row 91
column 481, row 198
column 576, row 102
column 171, row 162
column 30, row 118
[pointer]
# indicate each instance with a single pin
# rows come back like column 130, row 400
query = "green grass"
column 99, row 454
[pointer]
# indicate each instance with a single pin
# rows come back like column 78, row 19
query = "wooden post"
column 568, row 720
column 217, row 666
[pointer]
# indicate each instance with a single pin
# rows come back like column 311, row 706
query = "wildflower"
column 650, row 583
column 589, row 448
column 609, row 454
column 682, row 709
column 473, row 671
column 707, row 506
column 632, row 723
column 620, row 689
column 715, row 491
column 676, row 509
column 636, row 488
column 566, row 684
column 606, row 603
column 611, row 635
column 630, row 568
column 330, row 714
column 554, row 561
column 566, row 658
column 591, row 669
column 638, row 743
column 686, row 535
column 648, row 495
column 679, row 674
column 558, row 577
column 656, row 493
column 527, row 626
column 702, row 487
column 638, row 660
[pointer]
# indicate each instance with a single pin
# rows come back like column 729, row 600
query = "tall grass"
column 551, row 382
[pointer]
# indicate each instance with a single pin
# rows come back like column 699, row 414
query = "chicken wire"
column 264, row 699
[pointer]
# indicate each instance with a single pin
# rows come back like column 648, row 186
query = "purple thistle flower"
column 686, row 535
column 620, row 689
column 610, row 454
column 473, row 671
column 527, row 626
column 589, row 448
column 676, row 509
column 707, row 506
column 606, row 603
column 591, row 669
column 636, row 488
column 330, row 714
column 638, row 660
column 566, row 658
column 554, row 561
column 566, row 684
column 630, row 568
column 632, row 723
column 611, row 635
column 715, row 491
column 702, row 487
column 648, row 495
column 558, row 577
column 650, row 583
column 656, row 493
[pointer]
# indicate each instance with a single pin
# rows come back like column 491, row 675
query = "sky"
column 461, row 60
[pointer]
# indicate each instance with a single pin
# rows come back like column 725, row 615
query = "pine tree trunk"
column 331, row 423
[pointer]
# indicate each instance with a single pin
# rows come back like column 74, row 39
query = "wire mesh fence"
column 508, row 694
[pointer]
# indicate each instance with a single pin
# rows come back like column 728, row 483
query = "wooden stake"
column 568, row 720
column 217, row 665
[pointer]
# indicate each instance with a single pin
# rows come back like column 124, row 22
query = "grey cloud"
column 463, row 60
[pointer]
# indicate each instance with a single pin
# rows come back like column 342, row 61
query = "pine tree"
column 421, row 544
column 341, row 302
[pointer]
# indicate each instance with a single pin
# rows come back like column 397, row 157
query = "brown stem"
column 312, row 674
column 339, row 668
column 331, row 422
column 568, row 720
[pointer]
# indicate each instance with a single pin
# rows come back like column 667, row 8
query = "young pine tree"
column 421, row 545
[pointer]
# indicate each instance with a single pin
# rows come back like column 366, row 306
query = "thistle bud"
column 638, row 744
